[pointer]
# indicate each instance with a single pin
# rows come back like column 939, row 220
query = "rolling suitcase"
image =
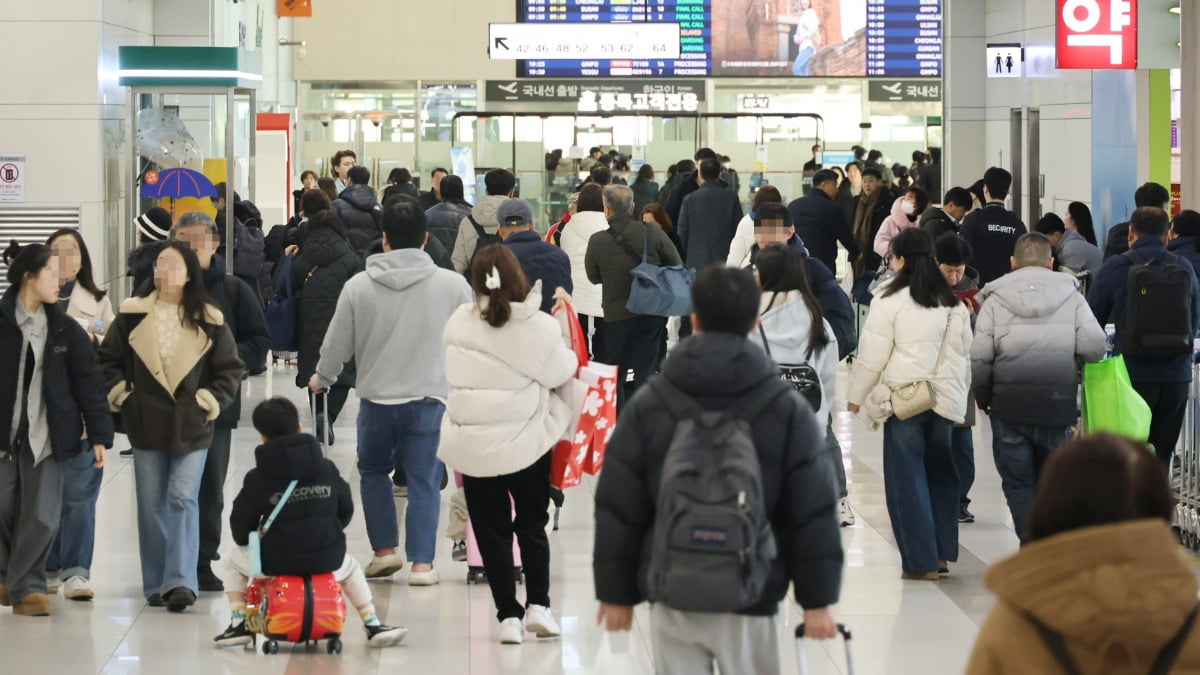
column 298, row 610
column 802, row 655
column 319, row 402
column 475, row 571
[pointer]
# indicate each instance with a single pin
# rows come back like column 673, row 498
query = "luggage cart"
column 1187, row 485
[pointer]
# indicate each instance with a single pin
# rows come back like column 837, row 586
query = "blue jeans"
column 800, row 65
column 71, row 554
column 1020, row 452
column 964, row 458
column 168, row 513
column 921, row 483
column 405, row 437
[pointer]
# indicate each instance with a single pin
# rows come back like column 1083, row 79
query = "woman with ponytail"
column 916, row 341
column 51, row 390
column 504, row 358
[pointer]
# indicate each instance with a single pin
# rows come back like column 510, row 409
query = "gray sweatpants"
column 689, row 643
column 31, row 500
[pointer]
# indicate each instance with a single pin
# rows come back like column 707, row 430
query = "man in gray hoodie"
column 1033, row 325
column 390, row 320
column 500, row 184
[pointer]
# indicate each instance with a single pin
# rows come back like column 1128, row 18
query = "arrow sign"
column 583, row 41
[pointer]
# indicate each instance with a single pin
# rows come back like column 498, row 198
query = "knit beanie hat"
column 154, row 224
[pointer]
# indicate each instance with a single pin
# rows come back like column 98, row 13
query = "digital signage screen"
column 758, row 38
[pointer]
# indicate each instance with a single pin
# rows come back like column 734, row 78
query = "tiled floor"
column 899, row 627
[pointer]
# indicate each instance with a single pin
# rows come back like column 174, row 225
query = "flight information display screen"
column 756, row 38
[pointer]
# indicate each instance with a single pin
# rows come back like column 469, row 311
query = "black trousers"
column 1167, row 401
column 596, row 341
column 212, row 495
column 633, row 345
column 490, row 509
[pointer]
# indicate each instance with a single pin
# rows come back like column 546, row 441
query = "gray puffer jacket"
column 1033, row 326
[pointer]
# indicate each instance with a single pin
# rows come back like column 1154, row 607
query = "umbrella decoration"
column 177, row 184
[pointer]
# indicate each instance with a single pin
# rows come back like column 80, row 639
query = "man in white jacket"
column 390, row 320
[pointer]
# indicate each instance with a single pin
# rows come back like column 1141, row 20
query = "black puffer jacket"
column 244, row 316
column 443, row 221
column 307, row 536
column 72, row 386
column 720, row 370
column 361, row 214
column 140, row 264
column 325, row 248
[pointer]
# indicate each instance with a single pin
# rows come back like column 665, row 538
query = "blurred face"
column 1055, row 238
column 648, row 218
column 870, row 184
column 437, row 181
column 44, row 286
column 855, row 175
column 953, row 273
column 310, row 182
column 344, row 166
column 170, row 271
column 70, row 258
column 202, row 242
column 772, row 232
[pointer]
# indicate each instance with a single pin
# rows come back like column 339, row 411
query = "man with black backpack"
column 480, row 228
column 715, row 495
column 1153, row 297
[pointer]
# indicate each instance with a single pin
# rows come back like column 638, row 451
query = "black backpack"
column 1158, row 307
column 485, row 240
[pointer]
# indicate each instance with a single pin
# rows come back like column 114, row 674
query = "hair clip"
column 492, row 281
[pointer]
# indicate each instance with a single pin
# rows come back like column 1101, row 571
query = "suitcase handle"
column 801, row 655
column 841, row 629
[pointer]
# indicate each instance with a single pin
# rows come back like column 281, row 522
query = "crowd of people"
column 445, row 317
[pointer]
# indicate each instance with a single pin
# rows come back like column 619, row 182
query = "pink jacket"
column 894, row 225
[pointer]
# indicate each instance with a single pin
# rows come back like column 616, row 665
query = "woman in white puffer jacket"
column 915, row 318
column 587, row 220
column 504, row 358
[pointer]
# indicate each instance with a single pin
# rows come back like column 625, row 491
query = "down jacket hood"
column 1116, row 593
column 291, row 457
column 361, row 197
column 502, row 415
column 1031, row 292
column 400, row 269
column 718, row 362
column 484, row 211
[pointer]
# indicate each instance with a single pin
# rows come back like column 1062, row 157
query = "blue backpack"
column 282, row 310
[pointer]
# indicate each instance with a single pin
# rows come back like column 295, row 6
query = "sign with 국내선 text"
column 12, row 178
column 1097, row 34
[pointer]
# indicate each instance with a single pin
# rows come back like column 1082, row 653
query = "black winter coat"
column 706, row 225
column 821, row 223
column 244, row 316
column 140, row 264
column 362, row 216
column 154, row 416
column 544, row 261
column 443, row 220
column 937, row 222
column 307, row 536
column 326, row 249
column 71, row 383
column 720, row 370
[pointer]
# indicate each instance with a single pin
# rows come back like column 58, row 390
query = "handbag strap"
column 287, row 494
column 628, row 249
column 763, row 333
column 942, row 349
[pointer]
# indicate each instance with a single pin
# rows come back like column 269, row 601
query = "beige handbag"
column 911, row 400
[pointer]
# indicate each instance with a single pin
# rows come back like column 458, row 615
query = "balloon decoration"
column 163, row 138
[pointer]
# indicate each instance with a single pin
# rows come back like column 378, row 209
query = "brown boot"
column 34, row 604
column 5, row 601
column 920, row 576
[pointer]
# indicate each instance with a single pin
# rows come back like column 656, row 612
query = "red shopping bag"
column 592, row 398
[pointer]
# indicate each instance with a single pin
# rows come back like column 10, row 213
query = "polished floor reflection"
column 899, row 626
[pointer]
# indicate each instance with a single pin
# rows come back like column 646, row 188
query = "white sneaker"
column 540, row 622
column 427, row 578
column 382, row 567
column 52, row 585
column 845, row 515
column 77, row 588
column 511, row 631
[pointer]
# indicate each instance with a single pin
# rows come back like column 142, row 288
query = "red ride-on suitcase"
column 298, row 610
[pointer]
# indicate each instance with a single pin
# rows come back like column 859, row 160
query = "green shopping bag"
column 1110, row 403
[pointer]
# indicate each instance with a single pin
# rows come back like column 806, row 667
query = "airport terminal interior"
column 112, row 108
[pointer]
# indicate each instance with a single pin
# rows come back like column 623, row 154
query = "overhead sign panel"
column 583, row 41
column 904, row 91
column 1097, row 34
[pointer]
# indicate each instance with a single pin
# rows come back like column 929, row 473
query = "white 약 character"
column 1120, row 16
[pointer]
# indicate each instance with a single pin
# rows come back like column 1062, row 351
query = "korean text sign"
column 1097, row 34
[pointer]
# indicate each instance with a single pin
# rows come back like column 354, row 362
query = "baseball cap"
column 514, row 212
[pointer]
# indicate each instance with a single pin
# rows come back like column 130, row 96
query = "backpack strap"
column 1055, row 643
column 1170, row 651
column 478, row 228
